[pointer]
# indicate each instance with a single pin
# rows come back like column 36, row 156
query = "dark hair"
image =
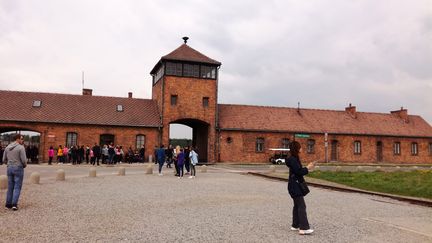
column 17, row 136
column 295, row 148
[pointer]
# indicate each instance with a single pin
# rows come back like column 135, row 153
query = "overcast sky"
column 376, row 55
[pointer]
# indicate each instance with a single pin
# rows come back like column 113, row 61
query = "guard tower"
column 185, row 85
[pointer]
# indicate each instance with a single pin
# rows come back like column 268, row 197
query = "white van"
column 279, row 155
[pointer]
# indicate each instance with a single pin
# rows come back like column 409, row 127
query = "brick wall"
column 241, row 148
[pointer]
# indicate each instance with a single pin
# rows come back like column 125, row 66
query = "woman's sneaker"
column 14, row 208
column 294, row 229
column 306, row 232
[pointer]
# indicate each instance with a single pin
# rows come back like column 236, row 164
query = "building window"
column 37, row 103
column 208, row 72
column 357, row 147
column 414, row 149
column 397, row 148
column 285, row 142
column 119, row 107
column 191, row 70
column 205, row 101
column 259, row 147
column 71, row 139
column 140, row 141
column 173, row 68
column 310, row 146
column 430, row 148
column 174, row 99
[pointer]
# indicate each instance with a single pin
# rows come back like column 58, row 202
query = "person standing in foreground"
column 296, row 173
column 15, row 157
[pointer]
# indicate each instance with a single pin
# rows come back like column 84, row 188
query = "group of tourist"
column 182, row 158
column 108, row 154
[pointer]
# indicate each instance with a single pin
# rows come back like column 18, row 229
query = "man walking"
column 16, row 159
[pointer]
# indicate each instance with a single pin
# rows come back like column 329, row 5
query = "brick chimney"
column 87, row 92
column 351, row 110
column 402, row 113
column 130, row 94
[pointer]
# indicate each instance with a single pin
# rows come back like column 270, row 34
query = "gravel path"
column 214, row 207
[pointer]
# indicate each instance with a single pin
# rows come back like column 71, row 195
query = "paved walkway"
column 218, row 206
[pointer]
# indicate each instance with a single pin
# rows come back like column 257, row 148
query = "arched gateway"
column 185, row 90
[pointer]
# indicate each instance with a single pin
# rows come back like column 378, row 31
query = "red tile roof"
column 77, row 109
column 264, row 118
column 186, row 53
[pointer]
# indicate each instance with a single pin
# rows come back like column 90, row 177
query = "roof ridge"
column 80, row 95
column 314, row 109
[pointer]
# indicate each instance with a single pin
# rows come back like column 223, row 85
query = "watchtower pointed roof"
column 187, row 54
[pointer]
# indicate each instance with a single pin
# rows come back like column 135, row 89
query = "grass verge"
column 414, row 183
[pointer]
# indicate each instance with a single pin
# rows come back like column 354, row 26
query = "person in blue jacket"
column 161, row 158
column 296, row 173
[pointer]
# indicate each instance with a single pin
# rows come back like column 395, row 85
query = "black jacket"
column 296, row 173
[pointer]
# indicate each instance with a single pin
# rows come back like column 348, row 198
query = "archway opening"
column 191, row 132
column 31, row 142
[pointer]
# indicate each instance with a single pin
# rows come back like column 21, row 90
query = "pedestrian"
column 81, row 152
column 92, row 158
column 97, row 153
column 74, row 152
column 296, row 173
column 105, row 154
column 169, row 153
column 111, row 153
column 175, row 156
column 193, row 161
column 160, row 158
column 60, row 154
column 142, row 154
column 87, row 154
column 180, row 163
column 16, row 159
column 65, row 154
column 187, row 160
column 50, row 154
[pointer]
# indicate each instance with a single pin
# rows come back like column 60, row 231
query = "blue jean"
column 15, row 176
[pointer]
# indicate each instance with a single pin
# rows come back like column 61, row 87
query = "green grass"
column 414, row 184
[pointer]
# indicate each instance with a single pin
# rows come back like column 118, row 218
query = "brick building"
column 185, row 91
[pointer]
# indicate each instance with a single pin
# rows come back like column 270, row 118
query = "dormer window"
column 119, row 107
column 37, row 103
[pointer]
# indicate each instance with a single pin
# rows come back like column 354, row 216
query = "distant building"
column 185, row 91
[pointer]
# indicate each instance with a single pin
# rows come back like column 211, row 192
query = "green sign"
column 302, row 136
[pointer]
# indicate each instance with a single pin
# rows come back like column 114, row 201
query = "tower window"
column 190, row 70
column 208, row 72
column 174, row 99
column 173, row 68
column 205, row 101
